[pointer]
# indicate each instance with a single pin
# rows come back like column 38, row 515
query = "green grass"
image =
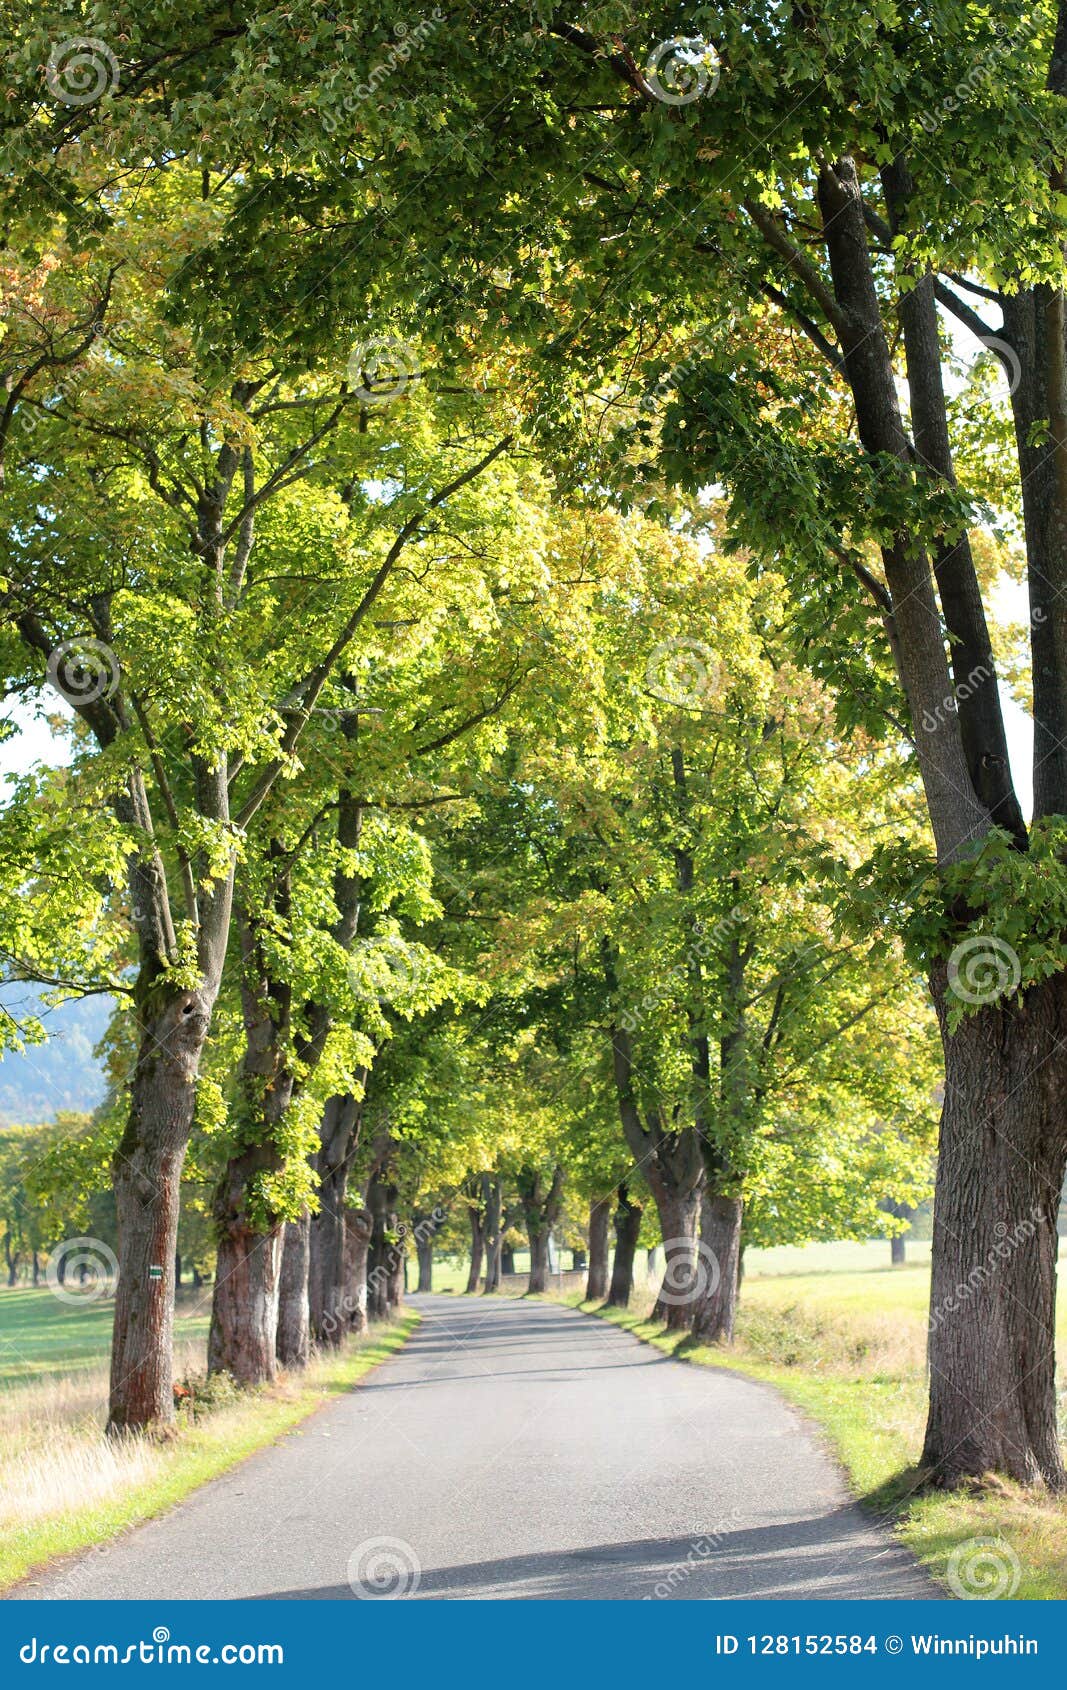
column 40, row 1335
column 848, row 1348
column 80, row 1490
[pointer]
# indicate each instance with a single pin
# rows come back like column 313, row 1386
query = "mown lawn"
column 41, row 1335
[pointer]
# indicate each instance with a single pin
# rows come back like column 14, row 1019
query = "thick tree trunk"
column 596, row 1285
column 898, row 1255
column 679, row 1214
column 147, row 1170
column 338, row 1134
column 628, row 1217
column 1000, row 1174
column 673, row 1167
column 538, row 1262
column 424, row 1252
column 385, row 1258
column 718, row 1269
column 357, row 1224
column 542, row 1208
column 244, row 1306
column 294, row 1319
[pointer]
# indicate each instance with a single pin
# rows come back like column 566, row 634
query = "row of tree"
column 518, row 570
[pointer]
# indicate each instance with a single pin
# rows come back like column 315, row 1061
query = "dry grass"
column 65, row 1486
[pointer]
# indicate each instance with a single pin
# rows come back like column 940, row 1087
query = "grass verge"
column 853, row 1360
column 65, row 1487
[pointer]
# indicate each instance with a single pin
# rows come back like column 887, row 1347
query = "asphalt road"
column 518, row 1450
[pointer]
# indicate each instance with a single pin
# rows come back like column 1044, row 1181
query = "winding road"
column 518, row 1450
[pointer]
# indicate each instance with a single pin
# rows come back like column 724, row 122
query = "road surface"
column 518, row 1450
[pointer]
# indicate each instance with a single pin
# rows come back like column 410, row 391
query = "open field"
column 64, row 1486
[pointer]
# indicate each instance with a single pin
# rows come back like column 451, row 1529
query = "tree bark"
column 338, row 1136
column 718, row 1269
column 672, row 1164
column 294, row 1318
column 357, row 1234
column 385, row 1258
column 493, row 1235
column 596, row 1285
column 244, row 1307
column 542, row 1207
column 628, row 1217
column 147, row 1171
column 1001, row 1163
column 477, row 1225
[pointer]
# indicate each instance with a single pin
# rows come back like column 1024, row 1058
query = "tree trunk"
column 474, row 1273
column 177, row 1269
column 36, row 1268
column 898, row 1255
column 538, row 1262
column 293, row 1345
column 493, row 1235
column 385, row 1257
column 718, row 1269
column 147, row 1170
column 338, row 1134
column 542, row 1210
column 244, row 1307
column 596, row 1284
column 628, row 1217
column 1000, row 1174
column 424, row 1252
column 357, row 1224
column 679, row 1213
